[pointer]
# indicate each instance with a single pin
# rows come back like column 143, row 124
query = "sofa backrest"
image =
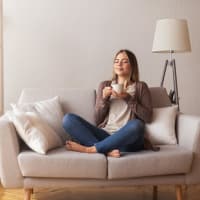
column 82, row 101
column 79, row 101
column 159, row 97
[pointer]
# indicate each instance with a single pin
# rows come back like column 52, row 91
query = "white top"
column 119, row 112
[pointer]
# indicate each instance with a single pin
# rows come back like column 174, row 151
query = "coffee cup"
column 118, row 88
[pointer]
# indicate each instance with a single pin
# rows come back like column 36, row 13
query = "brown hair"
column 134, row 76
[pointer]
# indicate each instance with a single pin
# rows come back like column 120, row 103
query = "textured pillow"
column 162, row 128
column 50, row 112
column 38, row 135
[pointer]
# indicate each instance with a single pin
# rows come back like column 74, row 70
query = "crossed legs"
column 93, row 139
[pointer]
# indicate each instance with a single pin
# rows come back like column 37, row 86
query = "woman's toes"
column 67, row 142
column 67, row 146
column 114, row 153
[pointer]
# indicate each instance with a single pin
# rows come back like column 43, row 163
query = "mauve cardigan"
column 140, row 104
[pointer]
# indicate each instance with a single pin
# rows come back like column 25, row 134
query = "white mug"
column 118, row 88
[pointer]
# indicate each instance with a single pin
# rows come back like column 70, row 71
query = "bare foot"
column 74, row 146
column 114, row 153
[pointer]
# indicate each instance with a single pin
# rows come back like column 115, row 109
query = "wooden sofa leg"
column 27, row 193
column 155, row 192
column 179, row 192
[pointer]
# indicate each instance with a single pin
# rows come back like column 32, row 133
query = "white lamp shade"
column 171, row 35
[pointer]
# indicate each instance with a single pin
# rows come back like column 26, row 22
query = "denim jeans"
column 129, row 138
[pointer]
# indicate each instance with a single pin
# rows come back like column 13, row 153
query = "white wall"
column 71, row 43
column 1, row 62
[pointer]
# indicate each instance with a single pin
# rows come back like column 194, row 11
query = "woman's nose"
column 120, row 63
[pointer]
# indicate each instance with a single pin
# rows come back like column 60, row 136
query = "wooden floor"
column 117, row 193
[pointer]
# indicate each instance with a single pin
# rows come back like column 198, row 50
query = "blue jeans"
column 129, row 138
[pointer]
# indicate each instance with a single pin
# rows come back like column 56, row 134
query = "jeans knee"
column 137, row 126
column 67, row 119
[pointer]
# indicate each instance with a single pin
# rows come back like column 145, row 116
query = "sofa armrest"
column 10, row 173
column 188, row 132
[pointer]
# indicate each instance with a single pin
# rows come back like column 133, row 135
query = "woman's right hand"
column 107, row 91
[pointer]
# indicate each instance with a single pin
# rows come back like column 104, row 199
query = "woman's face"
column 122, row 65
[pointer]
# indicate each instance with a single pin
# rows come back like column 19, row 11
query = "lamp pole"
column 173, row 95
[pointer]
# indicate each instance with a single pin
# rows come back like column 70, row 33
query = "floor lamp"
column 171, row 36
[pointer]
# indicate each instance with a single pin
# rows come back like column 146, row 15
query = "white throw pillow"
column 49, row 111
column 162, row 128
column 38, row 135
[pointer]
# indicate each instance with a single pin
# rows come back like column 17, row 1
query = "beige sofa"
column 174, row 164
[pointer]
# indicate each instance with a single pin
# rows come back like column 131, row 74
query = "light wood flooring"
column 116, row 193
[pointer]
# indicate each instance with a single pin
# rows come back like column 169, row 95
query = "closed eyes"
column 123, row 61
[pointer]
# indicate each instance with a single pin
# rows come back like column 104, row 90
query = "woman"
column 120, row 117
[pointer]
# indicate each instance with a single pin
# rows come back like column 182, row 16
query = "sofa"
column 177, row 165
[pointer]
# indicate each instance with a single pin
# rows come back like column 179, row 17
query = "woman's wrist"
column 105, row 99
column 128, row 97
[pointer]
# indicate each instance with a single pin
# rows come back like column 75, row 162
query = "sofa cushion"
column 60, row 163
column 161, row 130
column 36, row 133
column 49, row 111
column 171, row 159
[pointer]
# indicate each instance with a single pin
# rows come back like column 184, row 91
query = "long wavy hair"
column 134, row 75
